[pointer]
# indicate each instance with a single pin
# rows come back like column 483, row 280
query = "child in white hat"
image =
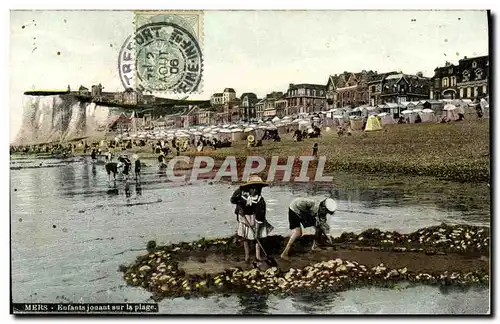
column 307, row 212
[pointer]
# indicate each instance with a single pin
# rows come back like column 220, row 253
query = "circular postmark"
column 161, row 57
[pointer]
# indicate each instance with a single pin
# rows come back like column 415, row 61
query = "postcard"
column 181, row 162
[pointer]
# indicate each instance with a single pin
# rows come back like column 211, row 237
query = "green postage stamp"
column 164, row 55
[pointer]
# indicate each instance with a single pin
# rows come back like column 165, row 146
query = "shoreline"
column 457, row 152
column 449, row 172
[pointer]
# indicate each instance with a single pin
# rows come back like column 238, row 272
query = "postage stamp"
column 164, row 54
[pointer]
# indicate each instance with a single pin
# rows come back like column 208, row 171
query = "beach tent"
column 485, row 107
column 386, row 118
column 451, row 112
column 304, row 124
column 427, row 115
column 237, row 134
column 356, row 123
column 409, row 116
column 372, row 124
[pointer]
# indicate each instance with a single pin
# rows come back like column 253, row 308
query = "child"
column 251, row 214
column 315, row 150
column 137, row 166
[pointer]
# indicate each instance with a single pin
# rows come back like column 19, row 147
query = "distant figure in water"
column 127, row 190
column 126, row 165
column 93, row 155
column 111, row 168
column 137, row 166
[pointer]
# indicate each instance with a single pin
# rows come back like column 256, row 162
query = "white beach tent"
column 386, row 118
column 409, row 115
column 427, row 115
column 237, row 134
column 304, row 124
column 451, row 112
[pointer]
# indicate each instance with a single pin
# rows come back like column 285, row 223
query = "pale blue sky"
column 251, row 51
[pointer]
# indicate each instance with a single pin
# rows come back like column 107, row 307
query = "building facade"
column 305, row 98
column 82, row 91
column 217, row 99
column 189, row 117
column 229, row 95
column 220, row 98
column 280, row 106
column 267, row 106
column 131, row 97
column 466, row 80
column 247, row 106
column 348, row 89
column 96, row 92
column 395, row 87
column 206, row 117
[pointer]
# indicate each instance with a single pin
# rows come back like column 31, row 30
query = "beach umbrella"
column 383, row 114
column 276, row 119
column 449, row 107
column 407, row 111
column 427, row 110
column 248, row 129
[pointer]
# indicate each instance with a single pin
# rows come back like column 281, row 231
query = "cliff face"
column 60, row 117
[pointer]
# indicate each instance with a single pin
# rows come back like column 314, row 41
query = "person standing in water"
column 251, row 214
column 307, row 212
column 137, row 166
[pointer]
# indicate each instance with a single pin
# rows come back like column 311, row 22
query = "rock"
column 341, row 268
column 145, row 268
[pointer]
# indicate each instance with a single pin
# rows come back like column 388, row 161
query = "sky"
column 250, row 51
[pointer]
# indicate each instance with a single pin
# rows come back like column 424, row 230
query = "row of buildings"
column 128, row 97
column 466, row 80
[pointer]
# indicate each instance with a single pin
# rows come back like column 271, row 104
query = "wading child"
column 251, row 214
column 137, row 166
column 307, row 212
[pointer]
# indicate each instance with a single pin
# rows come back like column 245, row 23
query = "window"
column 461, row 93
column 445, row 83
column 476, row 91
column 484, row 89
column 453, row 81
column 468, row 92
column 436, row 83
column 474, row 64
